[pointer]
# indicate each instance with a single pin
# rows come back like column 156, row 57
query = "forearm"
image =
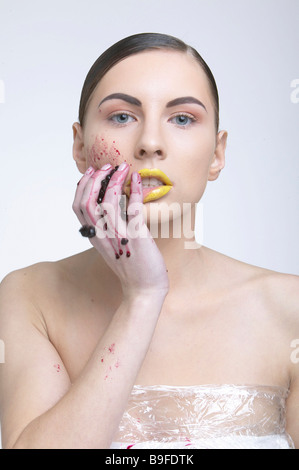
column 88, row 415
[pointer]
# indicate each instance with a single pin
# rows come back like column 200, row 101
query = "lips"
column 155, row 191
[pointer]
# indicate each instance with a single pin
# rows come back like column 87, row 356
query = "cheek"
column 196, row 145
column 202, row 158
column 196, row 160
column 103, row 151
column 193, row 173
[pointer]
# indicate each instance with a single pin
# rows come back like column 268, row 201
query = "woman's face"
column 154, row 110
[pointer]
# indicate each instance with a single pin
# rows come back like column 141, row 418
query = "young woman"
column 141, row 341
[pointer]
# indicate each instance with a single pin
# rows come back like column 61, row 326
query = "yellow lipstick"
column 155, row 192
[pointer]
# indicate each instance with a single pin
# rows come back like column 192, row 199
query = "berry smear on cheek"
column 101, row 152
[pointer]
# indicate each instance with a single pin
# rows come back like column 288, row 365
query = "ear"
column 218, row 161
column 78, row 148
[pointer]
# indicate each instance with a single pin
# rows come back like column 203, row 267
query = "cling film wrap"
column 204, row 417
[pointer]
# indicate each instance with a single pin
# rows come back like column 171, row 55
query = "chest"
column 223, row 347
column 204, row 344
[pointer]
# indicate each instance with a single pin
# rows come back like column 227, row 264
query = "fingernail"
column 106, row 167
column 135, row 177
column 122, row 166
column 90, row 170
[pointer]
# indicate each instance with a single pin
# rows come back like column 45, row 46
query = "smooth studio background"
column 46, row 50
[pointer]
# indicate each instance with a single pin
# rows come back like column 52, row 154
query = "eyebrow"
column 184, row 100
column 123, row 97
column 136, row 102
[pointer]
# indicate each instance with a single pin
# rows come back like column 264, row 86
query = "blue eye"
column 183, row 120
column 122, row 118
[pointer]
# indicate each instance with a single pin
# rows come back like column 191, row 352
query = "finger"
column 136, row 193
column 108, row 229
column 116, row 183
column 79, row 192
column 136, row 223
column 112, row 201
column 89, row 205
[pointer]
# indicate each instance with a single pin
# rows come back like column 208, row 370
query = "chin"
column 162, row 213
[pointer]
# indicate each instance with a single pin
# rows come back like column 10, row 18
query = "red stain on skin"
column 57, row 367
column 116, row 364
column 130, row 446
column 96, row 152
column 111, row 348
column 101, row 153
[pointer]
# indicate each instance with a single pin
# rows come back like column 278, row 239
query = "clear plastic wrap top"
column 204, row 417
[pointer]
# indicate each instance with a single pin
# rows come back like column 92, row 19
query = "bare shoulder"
column 277, row 288
column 27, row 283
column 280, row 292
column 22, row 287
column 267, row 292
column 25, row 279
column 30, row 288
column 283, row 290
column 41, row 277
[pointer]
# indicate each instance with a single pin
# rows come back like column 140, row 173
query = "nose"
column 150, row 143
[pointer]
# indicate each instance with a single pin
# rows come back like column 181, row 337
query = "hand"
column 126, row 245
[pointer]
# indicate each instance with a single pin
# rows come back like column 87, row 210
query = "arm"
column 290, row 302
column 40, row 408
column 292, row 426
column 285, row 295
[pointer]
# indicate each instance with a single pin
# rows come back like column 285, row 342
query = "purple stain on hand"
column 104, row 185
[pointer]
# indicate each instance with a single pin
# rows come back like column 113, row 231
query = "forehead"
column 156, row 74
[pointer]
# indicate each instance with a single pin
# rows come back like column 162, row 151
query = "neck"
column 183, row 256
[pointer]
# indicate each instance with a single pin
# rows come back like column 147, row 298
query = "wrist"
column 145, row 296
column 144, row 304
